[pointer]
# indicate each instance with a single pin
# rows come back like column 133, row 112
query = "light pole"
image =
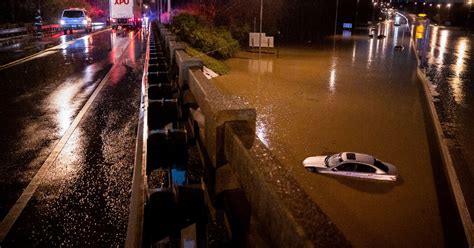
column 449, row 10
column 335, row 21
column 439, row 15
column 260, row 31
column 469, row 13
column 357, row 14
column 373, row 12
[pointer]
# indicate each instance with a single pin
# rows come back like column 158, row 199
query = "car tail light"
column 130, row 19
column 113, row 19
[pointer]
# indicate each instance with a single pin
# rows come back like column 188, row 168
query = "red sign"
column 119, row 2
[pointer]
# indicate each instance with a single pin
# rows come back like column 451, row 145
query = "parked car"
column 75, row 18
column 351, row 164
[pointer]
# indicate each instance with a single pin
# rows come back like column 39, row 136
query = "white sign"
column 254, row 40
column 121, row 8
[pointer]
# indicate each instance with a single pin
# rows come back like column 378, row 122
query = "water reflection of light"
column 456, row 82
column 63, row 41
column 434, row 35
column 131, row 49
column 443, row 42
column 369, row 57
column 262, row 133
column 395, row 36
column 386, row 32
column 346, row 34
column 85, row 43
column 261, row 66
column 332, row 75
column 62, row 103
column 354, row 51
column 113, row 43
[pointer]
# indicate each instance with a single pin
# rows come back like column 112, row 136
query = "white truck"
column 125, row 13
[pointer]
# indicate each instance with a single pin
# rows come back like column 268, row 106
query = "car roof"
column 357, row 157
column 74, row 9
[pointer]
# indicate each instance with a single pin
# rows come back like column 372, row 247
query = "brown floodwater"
column 363, row 96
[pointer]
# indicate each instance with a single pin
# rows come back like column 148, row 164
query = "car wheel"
column 311, row 169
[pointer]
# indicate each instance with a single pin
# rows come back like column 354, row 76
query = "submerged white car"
column 351, row 164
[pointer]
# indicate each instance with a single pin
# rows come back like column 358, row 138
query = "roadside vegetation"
column 208, row 42
column 216, row 65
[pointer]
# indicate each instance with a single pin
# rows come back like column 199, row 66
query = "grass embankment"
column 216, row 65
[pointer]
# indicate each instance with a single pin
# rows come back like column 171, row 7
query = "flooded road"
column 451, row 71
column 83, row 196
column 363, row 96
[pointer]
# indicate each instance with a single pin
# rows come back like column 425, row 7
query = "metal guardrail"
column 138, row 198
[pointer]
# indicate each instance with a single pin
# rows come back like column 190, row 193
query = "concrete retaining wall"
column 282, row 214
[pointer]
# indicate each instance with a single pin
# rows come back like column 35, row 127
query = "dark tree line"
column 297, row 20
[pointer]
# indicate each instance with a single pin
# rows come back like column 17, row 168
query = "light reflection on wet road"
column 83, row 199
column 364, row 98
column 451, row 70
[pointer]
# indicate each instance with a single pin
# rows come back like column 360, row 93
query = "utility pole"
column 357, row 14
column 260, row 34
column 469, row 14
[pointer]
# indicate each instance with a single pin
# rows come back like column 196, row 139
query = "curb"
column 452, row 177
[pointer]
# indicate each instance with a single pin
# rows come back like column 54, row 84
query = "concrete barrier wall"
column 282, row 214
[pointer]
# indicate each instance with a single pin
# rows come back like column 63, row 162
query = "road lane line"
column 14, row 213
column 30, row 57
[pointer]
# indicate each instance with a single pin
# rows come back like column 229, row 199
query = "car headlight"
column 62, row 22
column 84, row 22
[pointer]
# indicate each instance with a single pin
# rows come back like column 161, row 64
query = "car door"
column 345, row 169
column 364, row 171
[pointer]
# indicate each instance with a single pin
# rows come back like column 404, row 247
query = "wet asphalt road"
column 83, row 198
column 451, row 71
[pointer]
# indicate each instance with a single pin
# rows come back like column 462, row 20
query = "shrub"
column 217, row 42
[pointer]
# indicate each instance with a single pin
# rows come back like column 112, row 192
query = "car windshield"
column 73, row 14
column 333, row 160
column 380, row 165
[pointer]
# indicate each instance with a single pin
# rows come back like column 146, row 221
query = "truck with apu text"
column 125, row 13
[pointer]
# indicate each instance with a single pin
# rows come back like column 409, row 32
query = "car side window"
column 365, row 168
column 346, row 167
